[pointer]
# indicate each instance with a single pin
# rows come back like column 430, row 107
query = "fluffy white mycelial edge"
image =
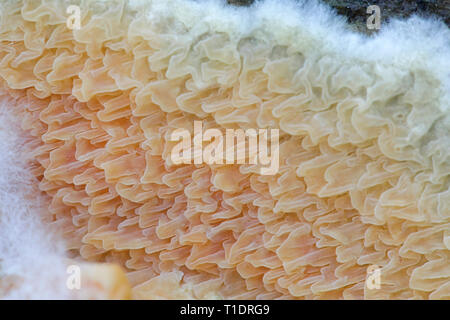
column 31, row 255
column 311, row 26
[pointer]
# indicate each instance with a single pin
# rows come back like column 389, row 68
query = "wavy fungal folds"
column 364, row 155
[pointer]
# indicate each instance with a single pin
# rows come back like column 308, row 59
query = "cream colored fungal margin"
column 364, row 128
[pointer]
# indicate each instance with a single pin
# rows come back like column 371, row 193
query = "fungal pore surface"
column 89, row 104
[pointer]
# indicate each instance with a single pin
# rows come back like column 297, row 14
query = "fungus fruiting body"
column 363, row 162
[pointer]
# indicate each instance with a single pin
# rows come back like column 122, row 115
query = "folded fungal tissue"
column 93, row 204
